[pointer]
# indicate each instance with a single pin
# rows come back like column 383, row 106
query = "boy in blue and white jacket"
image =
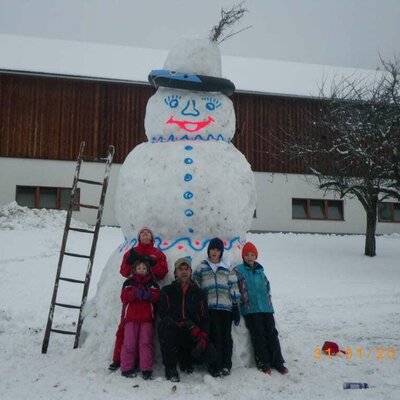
column 256, row 307
column 220, row 284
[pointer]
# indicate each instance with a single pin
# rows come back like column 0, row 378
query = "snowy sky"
column 348, row 33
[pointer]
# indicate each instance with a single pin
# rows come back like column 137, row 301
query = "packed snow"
column 323, row 288
column 182, row 182
column 201, row 55
column 152, row 182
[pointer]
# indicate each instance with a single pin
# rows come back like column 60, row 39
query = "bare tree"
column 392, row 81
column 353, row 143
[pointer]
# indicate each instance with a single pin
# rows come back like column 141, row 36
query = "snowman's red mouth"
column 190, row 126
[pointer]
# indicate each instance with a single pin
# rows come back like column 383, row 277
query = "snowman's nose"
column 190, row 109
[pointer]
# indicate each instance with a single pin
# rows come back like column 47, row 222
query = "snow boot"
column 129, row 374
column 282, row 369
column 114, row 365
column 215, row 373
column 266, row 369
column 225, row 371
column 147, row 375
column 172, row 374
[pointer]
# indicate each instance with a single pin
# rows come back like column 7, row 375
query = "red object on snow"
column 331, row 348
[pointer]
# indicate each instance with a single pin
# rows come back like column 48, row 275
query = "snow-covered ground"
column 324, row 288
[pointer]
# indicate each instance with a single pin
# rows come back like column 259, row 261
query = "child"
column 183, row 327
column 145, row 247
column 139, row 293
column 256, row 307
column 159, row 269
column 215, row 277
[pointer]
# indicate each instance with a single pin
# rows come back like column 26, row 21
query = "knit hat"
column 249, row 248
column 145, row 228
column 216, row 243
column 183, row 260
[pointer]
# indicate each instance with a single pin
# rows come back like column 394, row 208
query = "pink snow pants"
column 137, row 334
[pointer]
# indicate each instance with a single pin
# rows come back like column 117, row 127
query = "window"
column 388, row 212
column 317, row 209
column 45, row 197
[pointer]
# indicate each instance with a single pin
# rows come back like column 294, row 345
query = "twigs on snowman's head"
column 228, row 19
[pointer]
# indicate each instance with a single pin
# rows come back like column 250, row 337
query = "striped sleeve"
column 233, row 283
column 197, row 275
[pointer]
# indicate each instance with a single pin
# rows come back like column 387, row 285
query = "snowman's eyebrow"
column 168, row 99
column 213, row 100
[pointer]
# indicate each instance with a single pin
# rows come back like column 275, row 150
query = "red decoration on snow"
column 331, row 348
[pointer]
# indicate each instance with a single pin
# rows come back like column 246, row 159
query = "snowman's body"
column 188, row 183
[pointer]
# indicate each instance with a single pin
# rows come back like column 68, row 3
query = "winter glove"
column 189, row 324
column 235, row 314
column 133, row 256
column 200, row 342
column 139, row 293
column 147, row 295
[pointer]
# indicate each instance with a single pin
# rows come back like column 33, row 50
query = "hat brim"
column 182, row 261
column 181, row 80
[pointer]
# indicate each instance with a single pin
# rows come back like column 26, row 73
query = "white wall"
column 274, row 205
column 33, row 172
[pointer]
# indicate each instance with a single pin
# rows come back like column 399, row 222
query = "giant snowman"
column 188, row 183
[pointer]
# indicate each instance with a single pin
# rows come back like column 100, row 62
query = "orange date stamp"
column 359, row 353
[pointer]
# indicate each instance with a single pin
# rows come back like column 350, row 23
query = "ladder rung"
column 90, row 182
column 95, row 159
column 71, row 280
column 63, row 332
column 67, row 306
column 81, row 230
column 76, row 255
column 88, row 206
column 92, row 230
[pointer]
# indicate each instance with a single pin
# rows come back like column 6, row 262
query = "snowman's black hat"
column 188, row 81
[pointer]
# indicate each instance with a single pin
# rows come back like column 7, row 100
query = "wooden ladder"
column 95, row 232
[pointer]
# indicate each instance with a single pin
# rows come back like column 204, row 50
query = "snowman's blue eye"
column 172, row 101
column 211, row 103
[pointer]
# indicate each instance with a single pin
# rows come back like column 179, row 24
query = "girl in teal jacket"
column 256, row 307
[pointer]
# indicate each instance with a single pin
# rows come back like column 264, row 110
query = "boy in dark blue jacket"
column 256, row 307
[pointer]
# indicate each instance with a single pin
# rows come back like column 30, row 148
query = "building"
column 54, row 94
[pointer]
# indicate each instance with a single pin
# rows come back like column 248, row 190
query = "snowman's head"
column 176, row 114
column 190, row 103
